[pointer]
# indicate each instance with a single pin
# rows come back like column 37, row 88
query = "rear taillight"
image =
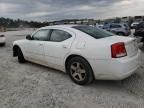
column 1, row 35
column 118, row 50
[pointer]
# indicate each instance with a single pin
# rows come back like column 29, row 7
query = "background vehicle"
column 84, row 52
column 2, row 40
column 118, row 28
column 134, row 25
column 100, row 26
column 139, row 31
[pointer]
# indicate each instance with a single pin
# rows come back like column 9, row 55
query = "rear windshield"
column 95, row 32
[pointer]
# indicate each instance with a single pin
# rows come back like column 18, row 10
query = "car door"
column 58, row 47
column 35, row 47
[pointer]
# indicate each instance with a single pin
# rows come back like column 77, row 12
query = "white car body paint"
column 2, row 40
column 96, row 51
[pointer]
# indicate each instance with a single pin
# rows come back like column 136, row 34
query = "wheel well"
column 69, row 58
column 72, row 56
column 15, row 48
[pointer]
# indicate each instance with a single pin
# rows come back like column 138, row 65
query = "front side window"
column 95, row 32
column 59, row 35
column 41, row 35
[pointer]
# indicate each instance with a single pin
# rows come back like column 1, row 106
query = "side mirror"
column 28, row 37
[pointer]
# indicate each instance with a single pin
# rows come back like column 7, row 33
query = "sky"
column 51, row 10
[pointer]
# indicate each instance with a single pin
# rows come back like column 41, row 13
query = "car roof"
column 62, row 26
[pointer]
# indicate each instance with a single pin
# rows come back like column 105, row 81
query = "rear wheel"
column 80, row 71
column 2, row 44
column 20, row 56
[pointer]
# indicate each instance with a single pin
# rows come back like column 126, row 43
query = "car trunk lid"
column 131, row 44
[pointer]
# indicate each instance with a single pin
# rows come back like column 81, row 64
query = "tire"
column 20, row 56
column 2, row 44
column 80, row 71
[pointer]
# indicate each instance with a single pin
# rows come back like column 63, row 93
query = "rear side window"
column 59, row 35
column 95, row 32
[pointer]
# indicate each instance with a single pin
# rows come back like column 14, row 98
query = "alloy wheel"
column 78, row 71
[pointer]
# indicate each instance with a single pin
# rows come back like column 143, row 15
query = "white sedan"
column 2, row 40
column 85, row 53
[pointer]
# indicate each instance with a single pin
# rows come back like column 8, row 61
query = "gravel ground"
column 33, row 86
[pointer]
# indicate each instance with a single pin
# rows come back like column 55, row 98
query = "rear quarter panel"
column 91, row 48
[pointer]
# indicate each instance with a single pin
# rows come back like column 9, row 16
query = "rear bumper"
column 116, row 69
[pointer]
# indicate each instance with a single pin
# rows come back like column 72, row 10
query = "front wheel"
column 80, row 71
column 20, row 56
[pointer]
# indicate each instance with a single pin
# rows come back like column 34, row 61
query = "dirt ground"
column 33, row 86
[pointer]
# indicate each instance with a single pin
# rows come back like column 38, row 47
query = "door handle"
column 64, row 46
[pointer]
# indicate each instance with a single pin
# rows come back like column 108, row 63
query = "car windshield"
column 126, row 25
column 95, row 32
